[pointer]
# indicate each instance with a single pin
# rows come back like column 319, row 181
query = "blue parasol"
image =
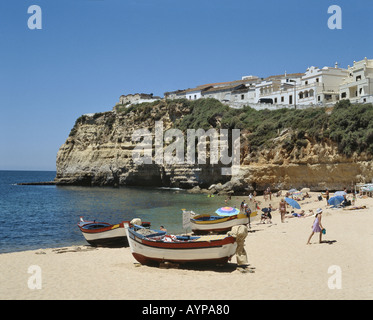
column 292, row 203
column 336, row 200
column 293, row 190
column 340, row 193
column 227, row 211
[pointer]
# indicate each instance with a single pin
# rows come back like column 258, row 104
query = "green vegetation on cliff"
column 348, row 125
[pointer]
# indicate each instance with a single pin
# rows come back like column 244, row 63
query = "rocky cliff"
column 99, row 151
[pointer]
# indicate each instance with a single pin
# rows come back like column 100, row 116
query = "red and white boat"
column 155, row 246
column 104, row 234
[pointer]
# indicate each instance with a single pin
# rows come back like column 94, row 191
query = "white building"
column 279, row 90
column 314, row 87
column 137, row 98
column 320, row 86
column 358, row 84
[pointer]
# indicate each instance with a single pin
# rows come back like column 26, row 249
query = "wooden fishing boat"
column 152, row 246
column 207, row 223
column 104, row 234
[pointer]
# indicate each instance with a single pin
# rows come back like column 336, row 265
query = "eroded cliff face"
column 99, row 151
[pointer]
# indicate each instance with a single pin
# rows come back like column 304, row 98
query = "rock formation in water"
column 99, row 152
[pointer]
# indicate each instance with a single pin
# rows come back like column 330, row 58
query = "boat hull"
column 103, row 234
column 221, row 225
column 200, row 251
column 109, row 238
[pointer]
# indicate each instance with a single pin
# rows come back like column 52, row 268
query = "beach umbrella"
column 340, row 193
column 293, row 190
column 336, row 200
column 227, row 211
column 367, row 189
column 292, row 203
column 296, row 194
column 306, row 190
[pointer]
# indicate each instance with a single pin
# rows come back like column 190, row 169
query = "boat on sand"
column 155, row 246
column 103, row 234
column 219, row 222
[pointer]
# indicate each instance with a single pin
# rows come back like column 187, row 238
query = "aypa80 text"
column 202, row 309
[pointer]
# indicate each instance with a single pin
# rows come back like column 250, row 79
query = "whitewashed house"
column 313, row 87
column 320, row 86
column 358, row 84
column 279, row 90
column 137, row 98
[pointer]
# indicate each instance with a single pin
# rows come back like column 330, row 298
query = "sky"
column 90, row 52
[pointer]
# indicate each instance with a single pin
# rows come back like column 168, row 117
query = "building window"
column 343, row 95
column 282, row 99
column 318, row 98
column 195, row 97
column 317, row 79
column 275, row 100
column 358, row 78
column 306, row 82
column 360, row 91
column 242, row 96
column 301, row 95
column 311, row 93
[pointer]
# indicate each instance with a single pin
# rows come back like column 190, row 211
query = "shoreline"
column 203, row 191
column 281, row 266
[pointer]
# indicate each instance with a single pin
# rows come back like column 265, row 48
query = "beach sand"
column 281, row 265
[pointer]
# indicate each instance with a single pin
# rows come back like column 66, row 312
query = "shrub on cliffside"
column 349, row 125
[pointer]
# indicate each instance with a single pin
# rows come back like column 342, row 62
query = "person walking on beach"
column 327, row 196
column 282, row 208
column 242, row 208
column 317, row 226
column 248, row 213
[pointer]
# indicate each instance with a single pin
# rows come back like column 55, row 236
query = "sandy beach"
column 281, row 265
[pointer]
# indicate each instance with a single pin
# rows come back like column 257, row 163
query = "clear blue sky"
column 89, row 52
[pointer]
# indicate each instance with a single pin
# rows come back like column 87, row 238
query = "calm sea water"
column 33, row 217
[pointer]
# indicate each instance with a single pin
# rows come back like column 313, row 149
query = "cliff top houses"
column 313, row 87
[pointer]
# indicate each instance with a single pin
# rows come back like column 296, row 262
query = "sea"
column 46, row 216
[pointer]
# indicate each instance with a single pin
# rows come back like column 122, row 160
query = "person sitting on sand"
column 317, row 226
column 162, row 228
column 266, row 215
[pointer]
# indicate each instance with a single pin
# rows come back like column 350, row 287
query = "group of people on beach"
column 266, row 216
